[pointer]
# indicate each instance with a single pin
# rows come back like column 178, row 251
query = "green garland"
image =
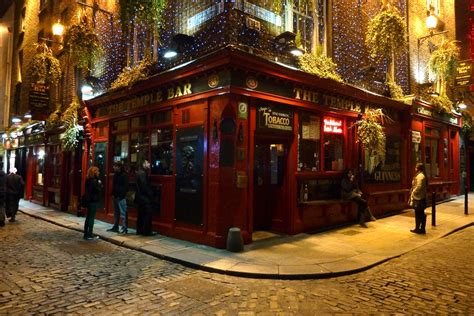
column 70, row 117
column 44, row 66
column 83, row 44
column 386, row 34
column 130, row 75
column 319, row 65
column 396, row 92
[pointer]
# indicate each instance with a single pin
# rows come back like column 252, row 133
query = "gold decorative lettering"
column 297, row 92
column 187, row 89
column 170, row 93
column 178, row 92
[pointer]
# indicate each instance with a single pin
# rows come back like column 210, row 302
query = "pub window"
column 162, row 151
column 101, row 129
column 120, row 125
column 138, row 149
column 161, row 117
column 120, row 147
column 432, row 156
column 309, row 137
column 333, row 141
column 137, row 122
column 40, row 153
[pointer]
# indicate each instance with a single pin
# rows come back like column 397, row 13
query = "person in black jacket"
column 144, row 200
column 350, row 191
column 3, row 195
column 92, row 194
column 119, row 194
column 14, row 186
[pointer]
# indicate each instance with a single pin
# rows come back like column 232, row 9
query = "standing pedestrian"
column 350, row 191
column 144, row 200
column 15, row 185
column 3, row 195
column 92, row 196
column 119, row 194
column 418, row 198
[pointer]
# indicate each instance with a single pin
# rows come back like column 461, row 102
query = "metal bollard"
column 433, row 209
column 465, row 201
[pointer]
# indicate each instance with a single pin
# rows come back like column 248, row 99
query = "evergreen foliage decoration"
column 442, row 64
column 70, row 118
column 371, row 135
column 441, row 103
column 386, row 34
column 83, row 43
column 44, row 67
column 467, row 124
column 130, row 75
column 396, row 92
column 54, row 119
column 277, row 6
column 319, row 65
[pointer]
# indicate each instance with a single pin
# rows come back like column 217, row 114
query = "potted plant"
column 442, row 65
column 386, row 38
column 44, row 67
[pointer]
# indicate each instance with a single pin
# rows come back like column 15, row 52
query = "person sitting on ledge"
column 351, row 192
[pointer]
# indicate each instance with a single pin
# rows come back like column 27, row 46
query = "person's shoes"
column 113, row 229
column 123, row 231
column 422, row 232
column 150, row 234
column 363, row 225
column 12, row 219
column 92, row 238
column 373, row 219
column 2, row 223
column 416, row 231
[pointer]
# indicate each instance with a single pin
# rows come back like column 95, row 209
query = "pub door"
column 270, row 183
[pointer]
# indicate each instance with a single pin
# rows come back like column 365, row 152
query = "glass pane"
column 161, row 117
column 120, row 149
column 40, row 166
column 120, row 125
column 138, row 149
column 138, row 122
column 162, row 151
column 333, row 152
column 100, row 152
column 309, row 138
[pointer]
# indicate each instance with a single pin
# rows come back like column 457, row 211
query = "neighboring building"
column 236, row 134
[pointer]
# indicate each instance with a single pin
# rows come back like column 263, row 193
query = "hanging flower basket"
column 44, row 67
column 83, row 44
column 130, row 75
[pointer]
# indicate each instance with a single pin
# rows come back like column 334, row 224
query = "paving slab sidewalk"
column 335, row 252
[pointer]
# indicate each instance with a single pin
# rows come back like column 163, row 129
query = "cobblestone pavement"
column 46, row 269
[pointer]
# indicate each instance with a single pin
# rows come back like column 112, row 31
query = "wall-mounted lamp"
column 286, row 42
column 180, row 44
column 462, row 105
column 27, row 116
column 58, row 29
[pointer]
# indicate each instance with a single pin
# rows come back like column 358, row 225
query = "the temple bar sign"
column 463, row 73
column 276, row 119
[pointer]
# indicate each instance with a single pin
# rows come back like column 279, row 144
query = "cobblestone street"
column 49, row 269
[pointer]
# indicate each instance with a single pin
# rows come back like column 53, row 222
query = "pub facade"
column 247, row 143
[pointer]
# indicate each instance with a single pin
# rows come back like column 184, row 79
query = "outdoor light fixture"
column 286, row 42
column 180, row 44
column 27, row 115
column 58, row 29
column 462, row 105
column 16, row 120
column 87, row 92
column 431, row 20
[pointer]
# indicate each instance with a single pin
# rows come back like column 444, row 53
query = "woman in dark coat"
column 92, row 196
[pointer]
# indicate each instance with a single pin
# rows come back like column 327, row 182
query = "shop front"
column 236, row 141
column 436, row 143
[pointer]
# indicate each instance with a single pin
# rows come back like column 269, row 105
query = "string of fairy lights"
column 349, row 20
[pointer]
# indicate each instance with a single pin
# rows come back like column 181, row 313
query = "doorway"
column 270, row 184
